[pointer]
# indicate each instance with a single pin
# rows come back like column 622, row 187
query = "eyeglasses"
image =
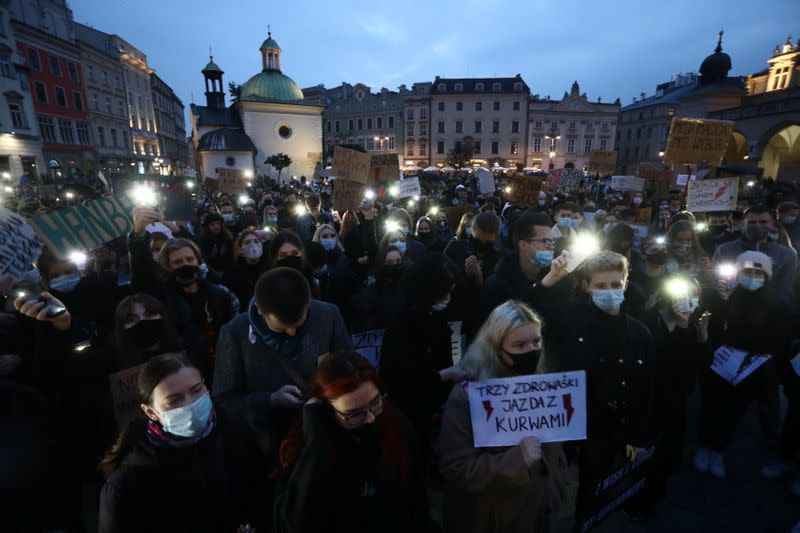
column 357, row 417
column 548, row 243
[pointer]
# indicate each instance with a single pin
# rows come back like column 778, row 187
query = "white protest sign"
column 408, row 188
column 456, row 348
column 796, row 364
column 735, row 365
column 712, row 195
column 19, row 245
column 627, row 183
column 551, row 407
column 369, row 344
column 683, row 179
column 486, row 184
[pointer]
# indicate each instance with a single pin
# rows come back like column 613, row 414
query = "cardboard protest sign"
column 383, row 168
column 19, row 245
column 627, row 183
column 347, row 194
column 179, row 203
column 644, row 215
column 125, row 394
column 408, row 188
column 735, row 365
column 456, row 341
column 231, row 180
column 369, row 344
column 351, row 164
column 657, row 182
column 712, row 195
column 551, row 407
column 486, row 183
column 86, row 226
column 455, row 213
column 698, row 142
column 614, row 488
column 554, row 178
column 602, row 161
column 571, row 179
column 525, row 191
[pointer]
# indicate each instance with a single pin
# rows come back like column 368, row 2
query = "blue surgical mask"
column 189, row 420
column 271, row 221
column 440, row 306
column 789, row 220
column 543, row 258
column 406, row 230
column 203, row 270
column 400, row 245
column 227, row 217
column 566, row 222
column 608, row 300
column 328, row 244
column 687, row 304
column 66, row 283
column 750, row 283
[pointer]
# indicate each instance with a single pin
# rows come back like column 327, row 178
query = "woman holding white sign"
column 500, row 489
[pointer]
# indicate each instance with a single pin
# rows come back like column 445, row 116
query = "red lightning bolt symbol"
column 487, row 405
column 567, row 399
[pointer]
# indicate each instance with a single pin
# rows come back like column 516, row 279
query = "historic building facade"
column 170, row 127
column 562, row 133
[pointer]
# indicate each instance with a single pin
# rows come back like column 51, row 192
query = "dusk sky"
column 614, row 48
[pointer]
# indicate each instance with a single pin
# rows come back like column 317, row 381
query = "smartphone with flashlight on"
column 52, row 308
column 727, row 273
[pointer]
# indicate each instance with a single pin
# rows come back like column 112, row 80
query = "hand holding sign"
column 558, row 270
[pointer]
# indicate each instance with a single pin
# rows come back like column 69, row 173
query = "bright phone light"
column 243, row 199
column 69, row 195
column 189, row 184
column 299, row 210
column 369, row 195
column 79, row 258
column 700, row 226
column 726, row 270
column 142, row 195
column 586, row 244
column 394, row 190
column 508, row 190
column 678, row 287
column 434, row 210
column 661, row 240
column 392, row 226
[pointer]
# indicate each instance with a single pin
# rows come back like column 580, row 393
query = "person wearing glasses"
column 354, row 457
column 532, row 235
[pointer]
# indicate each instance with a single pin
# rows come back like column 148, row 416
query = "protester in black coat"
column 216, row 243
column 187, row 468
column 381, row 303
column 251, row 262
column 361, row 242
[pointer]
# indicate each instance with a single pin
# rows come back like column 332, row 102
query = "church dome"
column 271, row 85
column 716, row 66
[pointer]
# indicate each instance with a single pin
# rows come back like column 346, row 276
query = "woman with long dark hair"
column 382, row 302
column 251, row 262
column 216, row 242
column 142, row 330
column 354, row 458
column 179, row 466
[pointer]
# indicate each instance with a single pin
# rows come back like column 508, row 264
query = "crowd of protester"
column 200, row 375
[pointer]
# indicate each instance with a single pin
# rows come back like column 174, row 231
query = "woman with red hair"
column 355, row 459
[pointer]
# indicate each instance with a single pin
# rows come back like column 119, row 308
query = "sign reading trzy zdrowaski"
column 551, row 407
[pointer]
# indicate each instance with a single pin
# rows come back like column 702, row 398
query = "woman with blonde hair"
column 499, row 489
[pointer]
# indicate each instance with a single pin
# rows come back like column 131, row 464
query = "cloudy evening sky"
column 614, row 48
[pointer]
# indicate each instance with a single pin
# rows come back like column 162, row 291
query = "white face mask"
column 252, row 250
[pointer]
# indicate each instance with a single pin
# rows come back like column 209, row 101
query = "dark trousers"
column 790, row 437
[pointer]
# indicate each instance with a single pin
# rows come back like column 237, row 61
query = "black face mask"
column 393, row 273
column 145, row 333
column 292, row 261
column 367, row 434
column 481, row 247
column 657, row 259
column 718, row 229
column 756, row 233
column 186, row 275
column 425, row 236
column 524, row 363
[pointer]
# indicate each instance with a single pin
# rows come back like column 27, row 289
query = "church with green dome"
column 269, row 117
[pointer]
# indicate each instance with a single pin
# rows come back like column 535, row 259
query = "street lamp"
column 661, row 153
column 553, row 138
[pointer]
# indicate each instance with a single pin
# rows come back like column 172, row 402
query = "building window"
column 515, row 126
column 61, row 97
column 423, row 129
column 440, row 127
column 391, row 143
column 101, row 136
column 77, row 101
column 73, row 72
column 459, row 87
column 479, row 87
column 23, row 82
column 495, row 147
column 589, row 126
column 423, row 148
column 336, row 126
column 537, row 124
column 379, row 123
column 360, row 123
column 518, row 86
column 65, row 130
column 570, row 146
column 95, row 102
column 113, row 133
column 514, row 147
column 55, row 66
column 459, row 146
column 603, row 144
column 537, row 144
column 604, row 126
column 638, row 133
column 459, row 126
column 124, row 138
column 440, row 147
column 497, row 87
column 628, row 134
column 516, row 106
column 369, row 123
column 350, row 125
column 587, row 146
column 6, row 69
column 409, row 147
column 33, row 59
column 410, row 129
column 391, row 123
column 478, row 106
column 459, row 106
column 478, row 126
column 90, row 72
column 496, row 106
column 572, row 126
column 105, row 78
column 476, row 147
column 441, row 87
column 649, row 132
column 47, row 129
column 410, row 114
column 423, row 114
column 496, row 126
column 41, row 92
column 17, row 116
column 370, row 144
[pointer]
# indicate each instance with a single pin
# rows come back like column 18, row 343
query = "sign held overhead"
column 698, row 141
